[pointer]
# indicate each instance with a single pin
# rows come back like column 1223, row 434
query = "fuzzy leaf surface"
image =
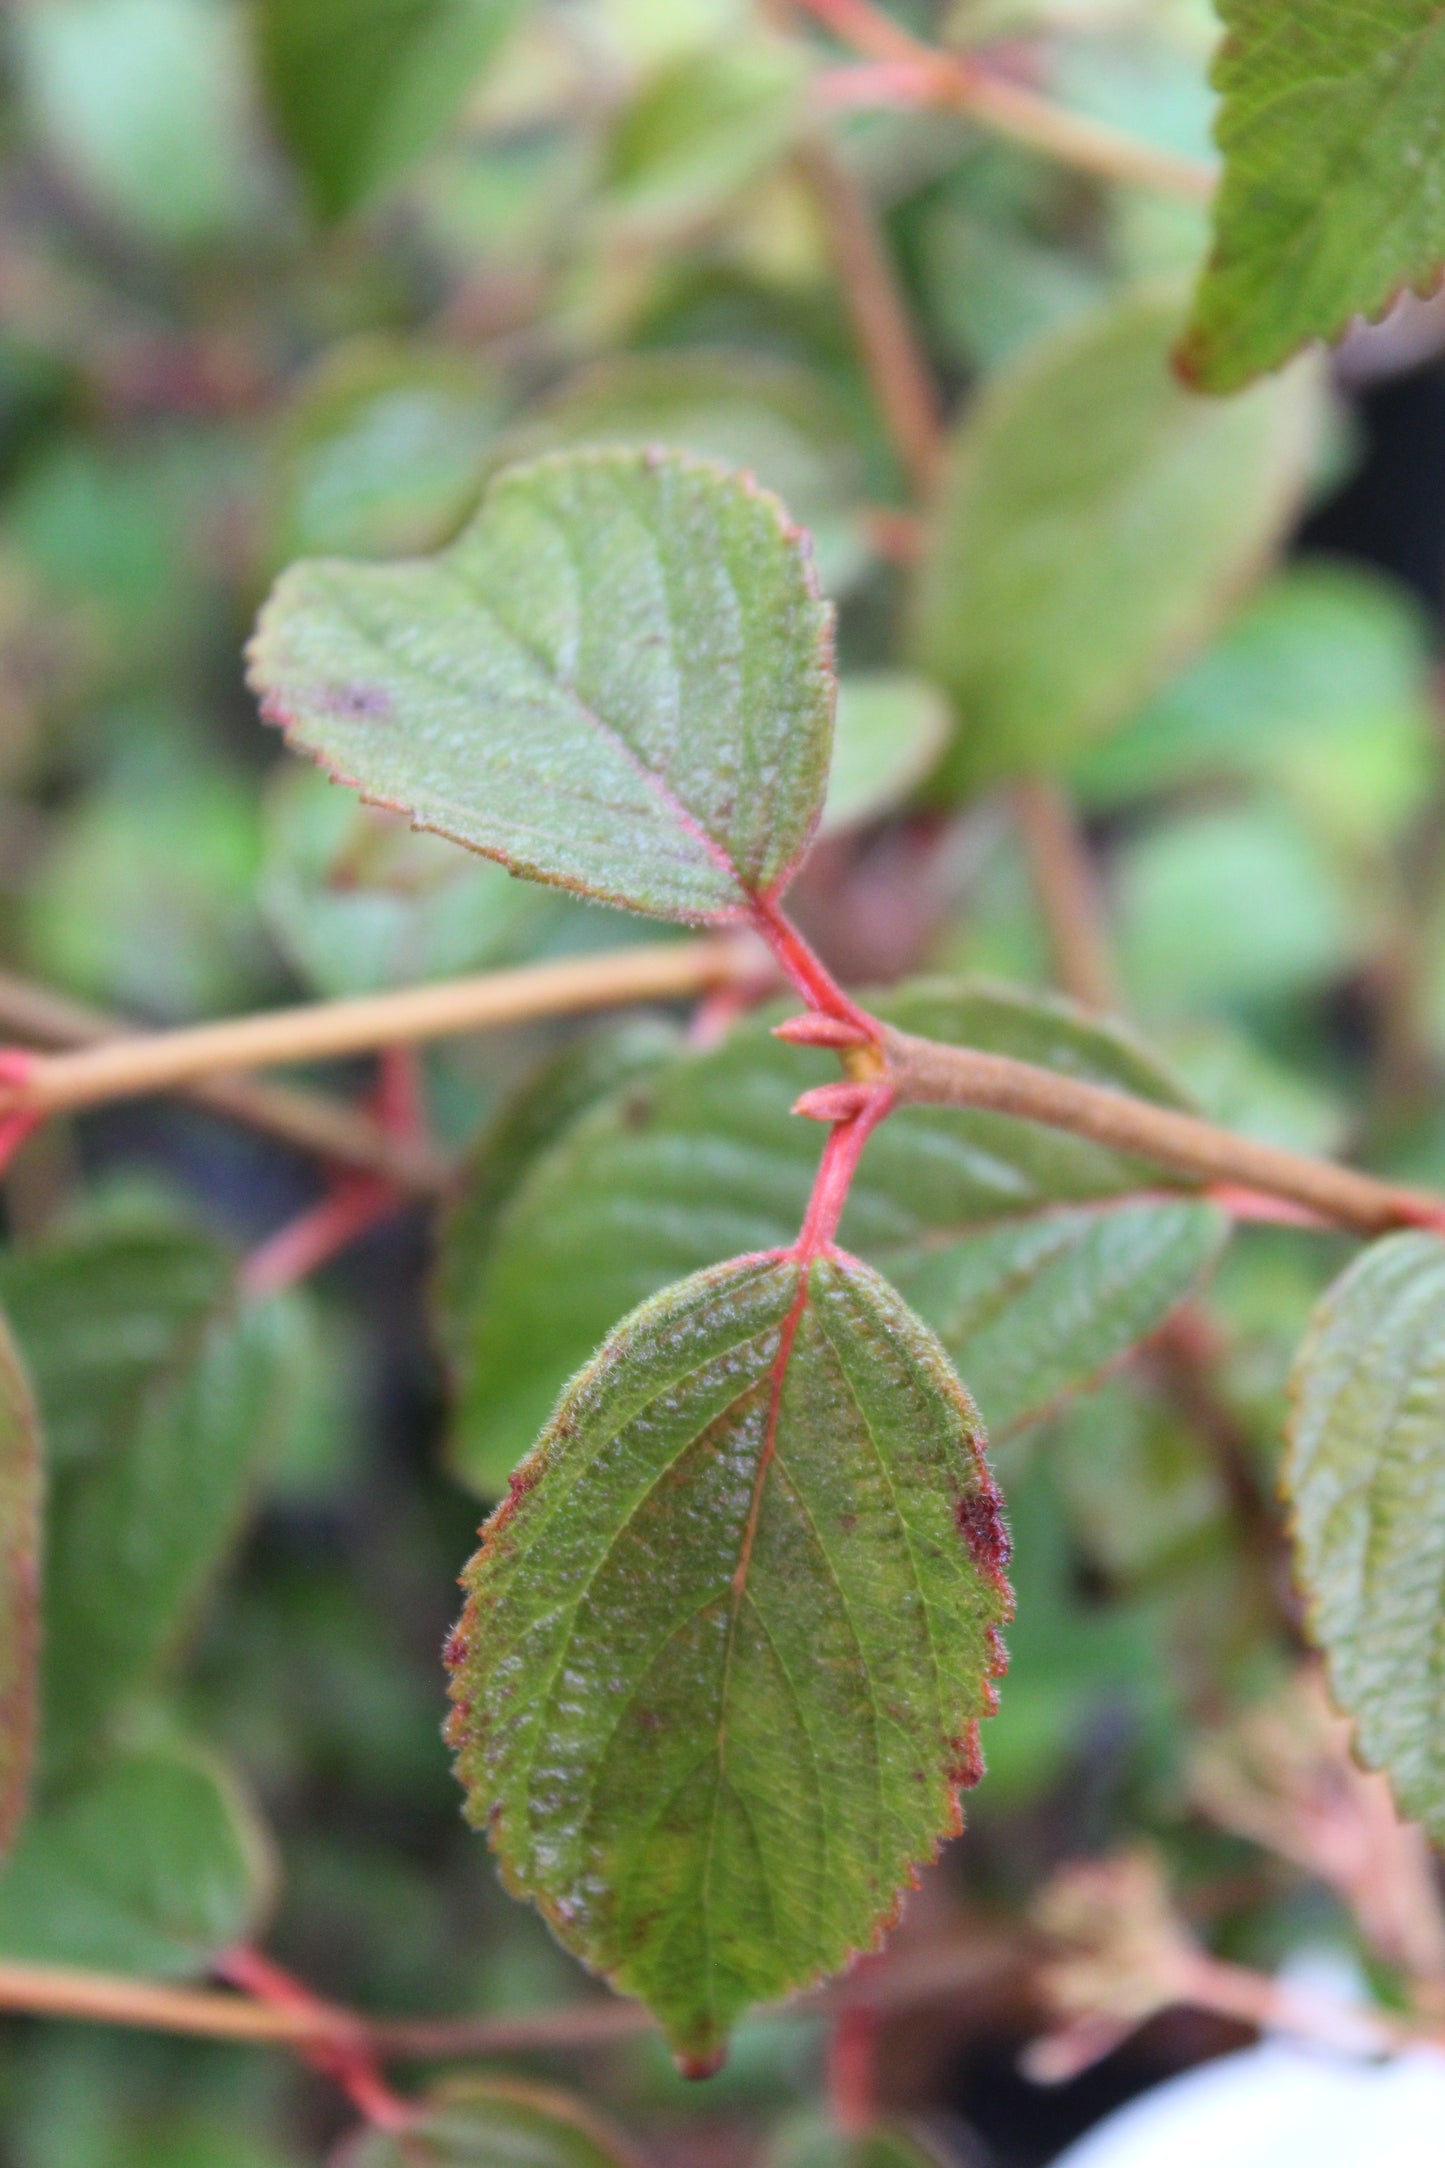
column 1033, row 1255
column 152, row 1864
column 726, row 1646
column 358, row 89
column 494, row 2123
column 1331, row 202
column 1095, row 526
column 1366, row 1476
column 618, row 679
column 20, row 1539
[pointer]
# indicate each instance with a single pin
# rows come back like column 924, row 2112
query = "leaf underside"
column 1333, row 130
column 1366, row 1477
column 727, row 1644
column 618, row 679
column 1033, row 1255
column 20, row 1507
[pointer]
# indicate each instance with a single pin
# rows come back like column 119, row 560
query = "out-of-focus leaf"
column 619, row 680
column 700, row 130
column 1141, row 1491
column 191, row 1397
column 494, row 2123
column 1321, row 684
column 541, row 1109
column 1366, row 1478
column 760, row 1540
column 359, row 901
column 1330, row 204
column 381, row 453
column 891, row 729
column 20, row 1539
column 100, row 1308
column 151, row 1865
column 147, row 104
column 815, row 2141
column 359, row 89
column 1095, row 526
column 1021, row 1246
column 776, row 419
column 146, row 899
column 1279, row 915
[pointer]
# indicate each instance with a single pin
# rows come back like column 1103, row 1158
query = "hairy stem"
column 1010, row 109
column 923, row 1072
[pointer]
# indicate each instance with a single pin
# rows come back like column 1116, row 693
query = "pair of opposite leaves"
column 728, row 1641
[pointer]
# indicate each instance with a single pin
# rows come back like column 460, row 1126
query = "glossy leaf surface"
column 358, row 89
column 618, row 680
column 1096, row 523
column 20, row 1543
column 1331, row 201
column 1016, row 1243
column 726, row 1646
column 1366, row 1477
column 494, row 2123
column 152, row 1864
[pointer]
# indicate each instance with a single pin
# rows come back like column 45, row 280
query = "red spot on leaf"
column 979, row 1514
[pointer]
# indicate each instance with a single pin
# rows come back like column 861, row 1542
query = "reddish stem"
column 349, row 2061
column 17, row 1066
column 837, row 1168
column 353, row 1206
column 807, row 971
column 853, row 2072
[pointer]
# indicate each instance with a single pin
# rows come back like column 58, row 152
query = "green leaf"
column 541, row 1109
column 701, row 129
column 358, row 901
column 381, row 453
column 20, row 1537
column 100, row 1307
column 152, row 1865
column 782, row 422
column 811, row 2140
column 494, row 2123
column 891, row 730
column 145, row 103
column 1331, row 199
column 168, row 1396
column 1366, row 1477
column 619, row 680
column 359, row 89
column 1096, row 524
column 727, row 1645
column 1029, row 1252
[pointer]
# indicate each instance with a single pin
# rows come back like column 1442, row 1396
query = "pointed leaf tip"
column 724, row 1655
column 618, row 680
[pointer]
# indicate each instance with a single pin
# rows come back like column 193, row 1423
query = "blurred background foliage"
column 298, row 276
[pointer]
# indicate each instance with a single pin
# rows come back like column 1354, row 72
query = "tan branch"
column 1067, row 887
column 177, row 1060
column 907, row 397
column 1011, row 109
column 923, row 1072
column 307, row 1120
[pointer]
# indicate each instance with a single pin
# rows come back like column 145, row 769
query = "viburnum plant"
column 725, row 1304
